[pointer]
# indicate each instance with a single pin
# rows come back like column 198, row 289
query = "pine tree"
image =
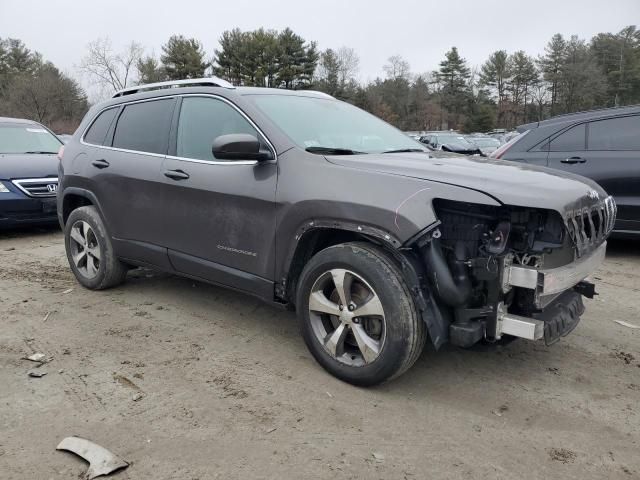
column 619, row 57
column 454, row 75
column 150, row 70
column 183, row 58
column 524, row 76
column 496, row 75
column 551, row 64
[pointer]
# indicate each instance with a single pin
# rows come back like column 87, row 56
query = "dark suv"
column 315, row 205
column 603, row 145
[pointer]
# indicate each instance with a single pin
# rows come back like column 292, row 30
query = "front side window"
column 97, row 132
column 32, row 139
column 621, row 133
column 570, row 141
column 144, row 127
column 202, row 120
column 316, row 122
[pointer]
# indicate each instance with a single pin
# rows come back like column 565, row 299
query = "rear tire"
column 388, row 336
column 89, row 250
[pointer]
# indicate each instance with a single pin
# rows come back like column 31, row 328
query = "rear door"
column 614, row 145
column 607, row 151
column 127, row 180
column 219, row 214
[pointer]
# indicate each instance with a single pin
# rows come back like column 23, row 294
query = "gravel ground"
column 189, row 381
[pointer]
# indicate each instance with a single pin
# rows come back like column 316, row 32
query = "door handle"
column 176, row 174
column 102, row 163
column 572, row 160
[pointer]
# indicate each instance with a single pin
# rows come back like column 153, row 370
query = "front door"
column 219, row 215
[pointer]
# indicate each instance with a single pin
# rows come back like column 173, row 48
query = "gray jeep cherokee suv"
column 314, row 205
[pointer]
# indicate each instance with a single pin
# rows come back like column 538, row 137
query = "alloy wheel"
column 85, row 249
column 347, row 317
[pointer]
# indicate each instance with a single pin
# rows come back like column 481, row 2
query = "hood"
column 510, row 183
column 14, row 165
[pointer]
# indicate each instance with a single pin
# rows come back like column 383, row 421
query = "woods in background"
column 33, row 88
column 508, row 89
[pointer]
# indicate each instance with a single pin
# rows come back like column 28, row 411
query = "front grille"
column 590, row 226
column 38, row 187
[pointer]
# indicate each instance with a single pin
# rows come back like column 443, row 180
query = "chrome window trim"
column 214, row 162
column 172, row 157
column 18, row 183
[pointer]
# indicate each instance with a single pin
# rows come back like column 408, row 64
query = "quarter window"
column 622, row 133
column 570, row 141
column 201, row 121
column 144, row 127
column 98, row 130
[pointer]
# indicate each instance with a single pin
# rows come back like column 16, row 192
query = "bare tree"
column 540, row 95
column 47, row 96
column 397, row 68
column 111, row 69
column 348, row 64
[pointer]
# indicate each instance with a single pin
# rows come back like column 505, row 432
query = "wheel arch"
column 74, row 198
column 318, row 234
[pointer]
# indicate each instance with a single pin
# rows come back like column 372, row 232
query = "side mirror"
column 239, row 146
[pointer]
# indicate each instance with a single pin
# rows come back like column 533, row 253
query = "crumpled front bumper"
column 556, row 294
column 548, row 283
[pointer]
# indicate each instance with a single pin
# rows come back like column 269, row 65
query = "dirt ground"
column 189, row 381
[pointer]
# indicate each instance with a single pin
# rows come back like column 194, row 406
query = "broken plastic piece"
column 626, row 324
column 101, row 461
column 36, row 357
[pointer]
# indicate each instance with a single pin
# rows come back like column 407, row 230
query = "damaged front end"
column 504, row 271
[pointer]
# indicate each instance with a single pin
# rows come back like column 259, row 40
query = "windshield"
column 319, row 124
column 27, row 139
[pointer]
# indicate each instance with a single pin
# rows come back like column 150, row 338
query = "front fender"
column 311, row 189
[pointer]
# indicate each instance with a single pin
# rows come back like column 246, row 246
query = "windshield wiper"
column 40, row 152
column 333, row 151
column 405, row 150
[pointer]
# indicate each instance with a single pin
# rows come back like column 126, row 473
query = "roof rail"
column 192, row 82
column 602, row 109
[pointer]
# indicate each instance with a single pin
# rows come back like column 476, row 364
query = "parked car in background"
column 487, row 145
column 450, row 142
column 317, row 206
column 28, row 173
column 503, row 136
column 603, row 145
column 414, row 135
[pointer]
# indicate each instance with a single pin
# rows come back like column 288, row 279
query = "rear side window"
column 621, row 133
column 201, row 121
column 570, row 141
column 144, row 127
column 98, row 130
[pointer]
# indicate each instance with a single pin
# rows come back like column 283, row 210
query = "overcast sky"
column 419, row 30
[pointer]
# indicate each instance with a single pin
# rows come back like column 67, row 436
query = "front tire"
column 357, row 315
column 89, row 250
